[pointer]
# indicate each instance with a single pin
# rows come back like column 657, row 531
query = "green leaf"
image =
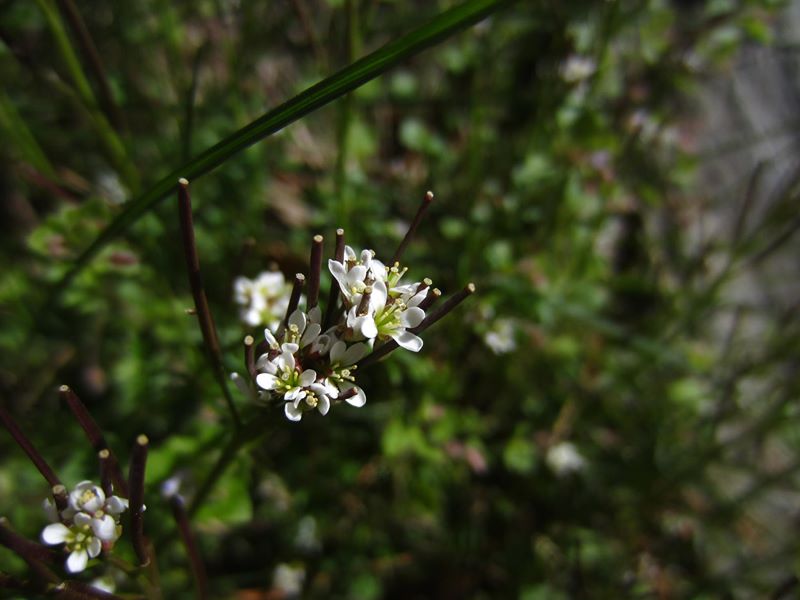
column 324, row 92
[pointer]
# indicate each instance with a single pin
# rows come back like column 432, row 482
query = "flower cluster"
column 309, row 360
column 88, row 524
column 305, row 367
column 263, row 300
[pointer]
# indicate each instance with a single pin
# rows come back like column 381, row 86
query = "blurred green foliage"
column 564, row 189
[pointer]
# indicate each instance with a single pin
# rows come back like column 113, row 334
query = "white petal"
column 292, row 413
column 298, row 318
column 315, row 315
column 379, row 295
column 266, row 381
column 287, row 357
column 263, row 364
column 77, row 561
column 367, row 327
column 354, row 276
column 418, row 297
column 273, row 343
column 310, row 334
column 354, row 354
column 412, row 317
column 50, row 510
column 360, row 399
column 94, row 547
column 116, row 505
column 105, row 528
column 55, row 534
column 337, row 351
column 81, row 519
column 241, row 384
column 340, row 274
column 307, row 377
column 324, row 405
column 295, row 393
column 378, row 269
column 408, row 340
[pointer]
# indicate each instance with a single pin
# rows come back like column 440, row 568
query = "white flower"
column 564, row 459
column 301, row 331
column 297, row 387
column 342, row 359
column 262, row 300
column 500, row 338
column 355, row 274
column 81, row 540
column 390, row 317
column 90, row 499
column 577, row 68
column 289, row 579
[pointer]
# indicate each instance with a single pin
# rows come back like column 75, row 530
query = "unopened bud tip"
column 183, row 181
column 142, row 440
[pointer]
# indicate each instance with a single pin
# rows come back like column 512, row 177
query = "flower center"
column 387, row 318
column 87, row 496
column 78, row 538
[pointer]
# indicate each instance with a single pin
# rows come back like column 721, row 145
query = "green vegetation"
column 604, row 418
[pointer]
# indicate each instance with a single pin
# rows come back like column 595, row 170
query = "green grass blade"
column 320, row 94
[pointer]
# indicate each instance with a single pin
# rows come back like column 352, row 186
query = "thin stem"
column 105, row 471
column 204, row 316
column 189, row 542
column 294, row 299
column 249, row 355
column 94, row 435
column 445, row 308
column 432, row 318
column 430, row 299
column 60, row 497
column 315, row 269
column 31, row 552
column 423, row 208
column 27, row 447
column 108, row 136
column 333, row 295
column 136, row 499
column 92, row 57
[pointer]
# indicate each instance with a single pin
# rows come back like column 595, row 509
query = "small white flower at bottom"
column 81, row 539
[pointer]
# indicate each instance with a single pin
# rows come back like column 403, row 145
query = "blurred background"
column 612, row 415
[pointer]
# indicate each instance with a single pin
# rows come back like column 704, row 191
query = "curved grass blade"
column 318, row 95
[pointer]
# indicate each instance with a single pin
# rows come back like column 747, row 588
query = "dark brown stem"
column 430, row 299
column 31, row 552
column 189, row 542
column 363, row 306
column 424, row 285
column 105, row 471
column 423, row 208
column 294, row 299
column 445, row 308
column 60, row 497
column 92, row 57
column 333, row 295
column 314, row 272
column 94, row 435
column 136, row 500
column 250, row 356
column 27, row 447
column 204, row 316
column 448, row 306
